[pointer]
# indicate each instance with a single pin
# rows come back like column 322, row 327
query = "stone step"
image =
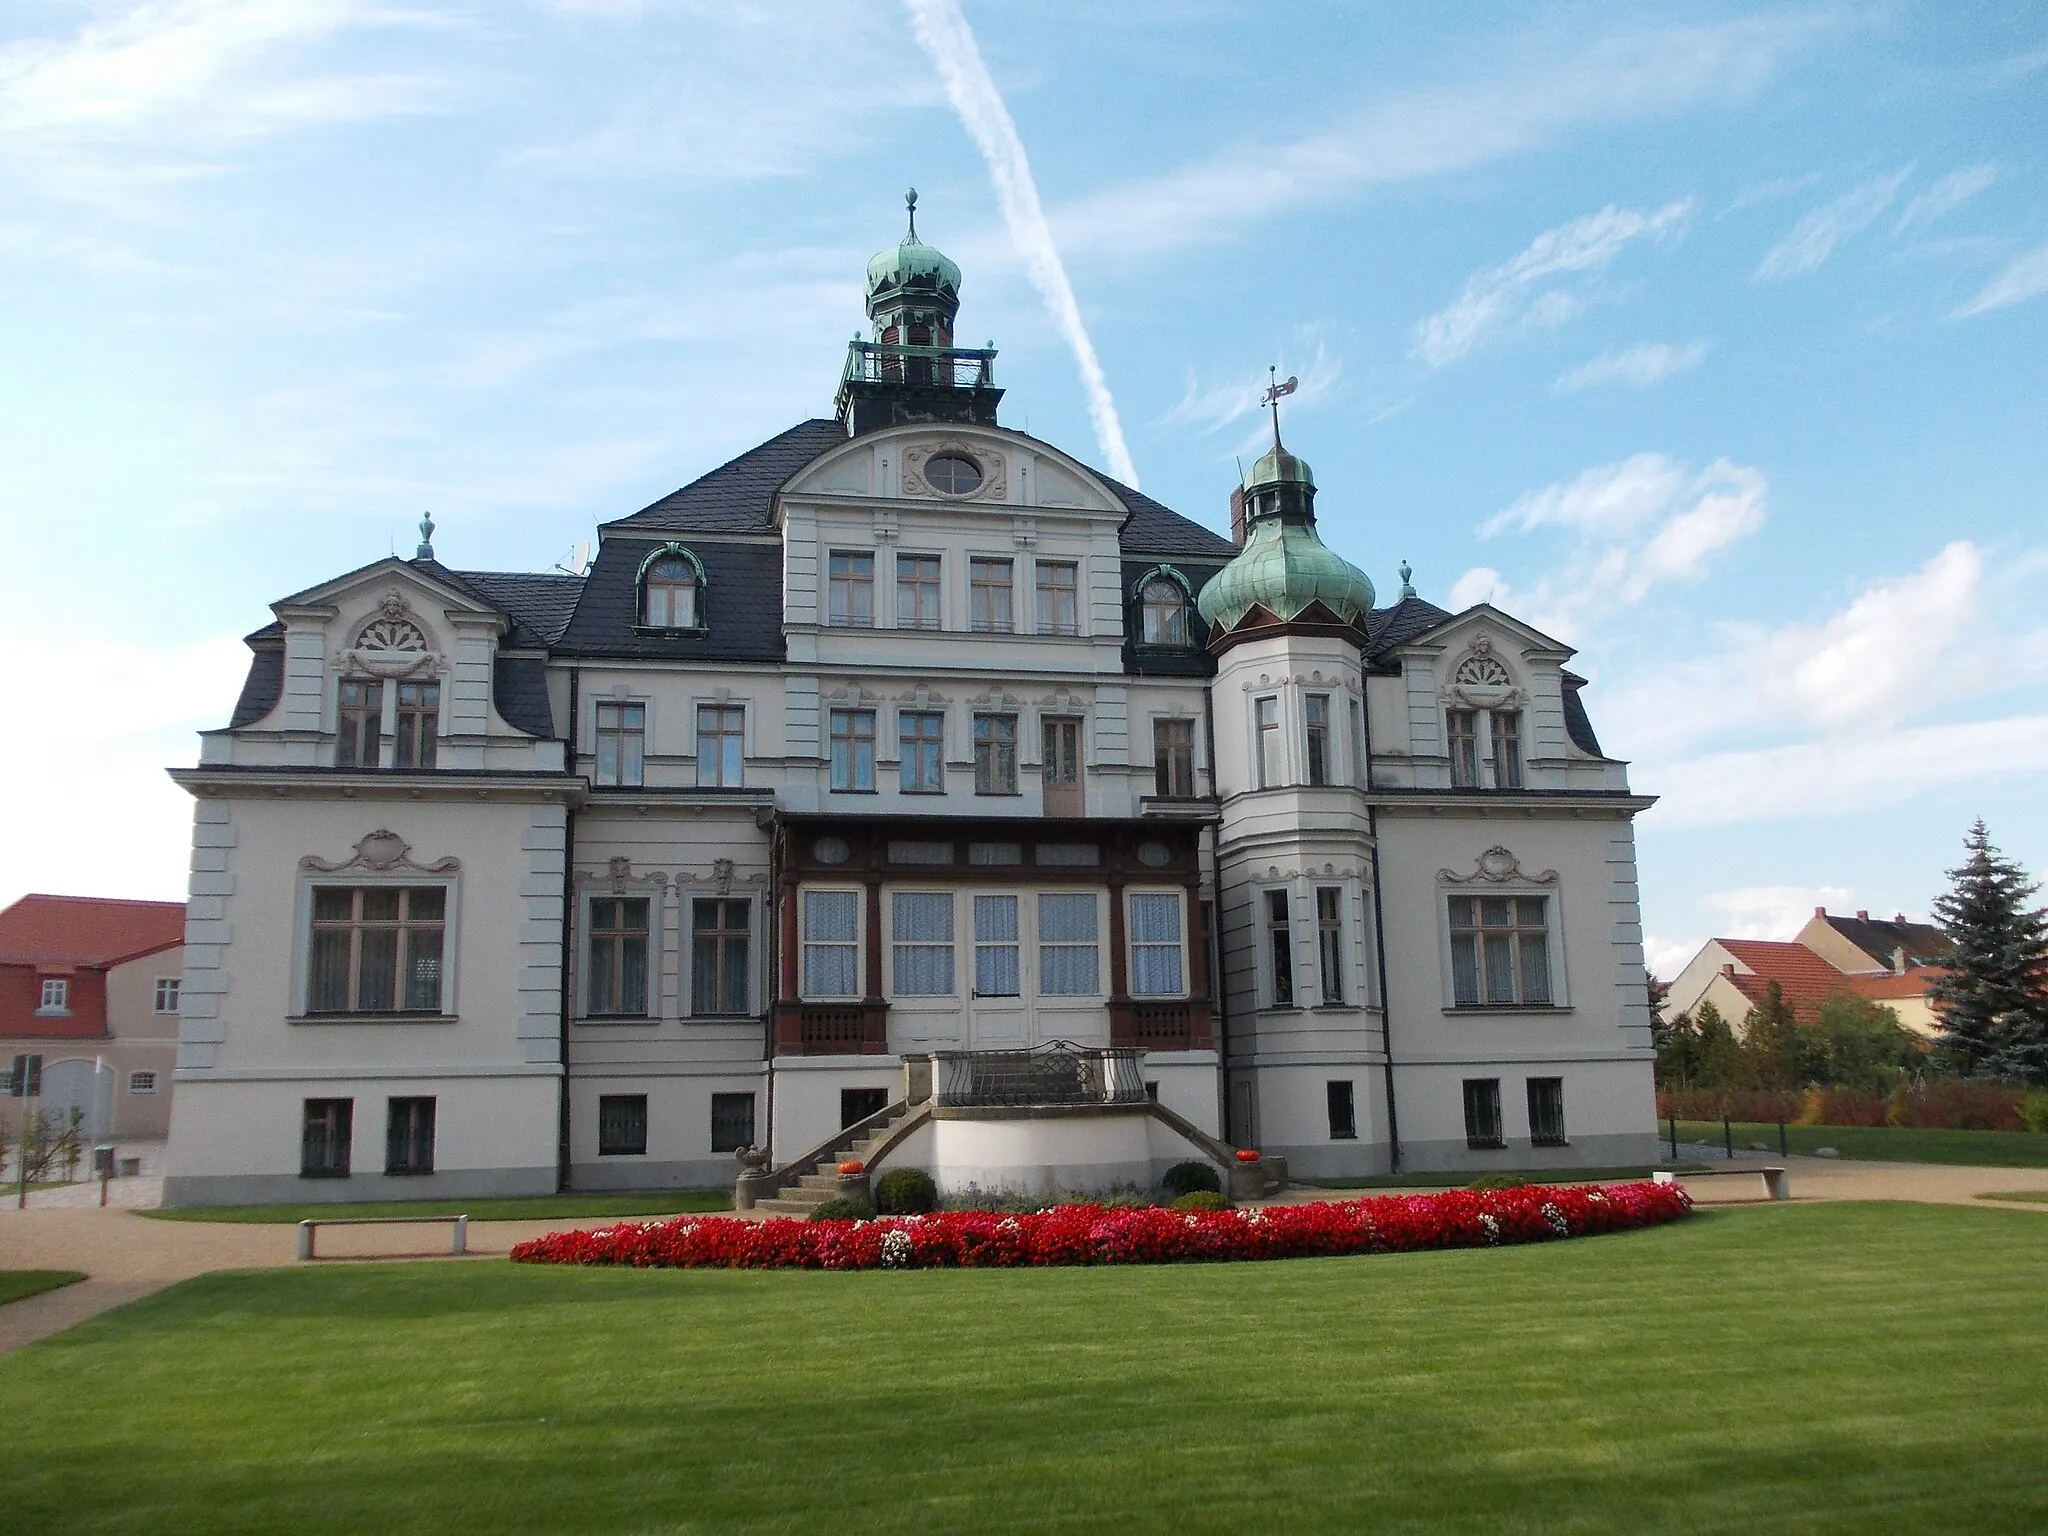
column 784, row 1207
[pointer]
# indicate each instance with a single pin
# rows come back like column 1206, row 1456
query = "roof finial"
column 1272, row 397
column 426, row 549
column 910, row 202
column 1407, row 587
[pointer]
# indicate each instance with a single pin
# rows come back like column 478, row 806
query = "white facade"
column 895, row 772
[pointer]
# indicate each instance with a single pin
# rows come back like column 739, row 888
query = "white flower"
column 1492, row 1229
column 895, row 1249
column 1556, row 1218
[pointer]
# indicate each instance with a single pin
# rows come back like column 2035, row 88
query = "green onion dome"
column 1284, row 567
column 913, row 264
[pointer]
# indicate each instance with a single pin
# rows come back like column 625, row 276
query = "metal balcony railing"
column 876, row 362
column 1054, row 1074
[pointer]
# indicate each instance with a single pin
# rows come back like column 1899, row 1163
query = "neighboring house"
column 89, row 1008
column 902, row 733
column 1831, row 955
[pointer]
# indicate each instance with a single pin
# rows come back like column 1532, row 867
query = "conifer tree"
column 1770, row 1043
column 1994, row 1001
column 1718, row 1055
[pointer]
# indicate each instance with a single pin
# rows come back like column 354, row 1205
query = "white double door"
column 998, row 1016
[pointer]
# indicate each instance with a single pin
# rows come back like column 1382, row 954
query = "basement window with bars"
column 732, row 1121
column 622, row 1125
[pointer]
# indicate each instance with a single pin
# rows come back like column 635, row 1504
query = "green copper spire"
column 912, row 266
column 1407, row 583
column 426, row 549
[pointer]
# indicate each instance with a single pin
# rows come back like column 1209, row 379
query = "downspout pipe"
column 568, row 935
column 1379, row 928
column 1220, row 992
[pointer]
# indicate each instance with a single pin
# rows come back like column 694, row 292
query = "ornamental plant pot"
column 1246, row 1181
column 854, row 1186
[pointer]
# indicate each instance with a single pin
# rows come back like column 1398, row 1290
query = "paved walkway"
column 127, row 1256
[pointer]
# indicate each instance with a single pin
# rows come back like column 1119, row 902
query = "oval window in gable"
column 952, row 474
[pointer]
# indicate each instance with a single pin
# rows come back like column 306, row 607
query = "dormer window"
column 671, row 590
column 1164, row 612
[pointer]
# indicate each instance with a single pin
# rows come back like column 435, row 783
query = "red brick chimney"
column 1862, row 916
column 1820, row 911
column 1237, row 516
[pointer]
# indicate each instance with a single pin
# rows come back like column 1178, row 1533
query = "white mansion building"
column 900, row 745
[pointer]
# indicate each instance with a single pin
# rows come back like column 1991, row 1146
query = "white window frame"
column 451, row 944
column 1269, row 987
column 1560, row 994
column 53, row 997
column 1347, row 946
column 1038, row 944
column 874, row 582
column 657, row 928
column 1195, row 763
column 861, row 981
column 646, row 738
column 1264, row 775
column 975, row 558
column 177, row 987
column 697, row 706
column 1074, row 564
column 1179, row 894
column 890, row 940
column 897, row 588
column 874, row 744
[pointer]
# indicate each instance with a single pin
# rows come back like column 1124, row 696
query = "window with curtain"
column 376, row 949
column 668, row 594
column 831, row 944
column 1156, row 942
column 1173, row 758
column 1068, row 947
column 917, row 591
column 721, row 745
column 1462, row 726
column 921, row 737
column 921, row 942
column 853, row 749
column 618, row 956
column 1316, row 735
column 991, row 597
column 995, row 947
column 1506, row 725
column 1164, row 619
column 418, row 725
column 718, row 955
column 359, row 723
column 1059, row 588
column 995, row 754
column 1500, row 950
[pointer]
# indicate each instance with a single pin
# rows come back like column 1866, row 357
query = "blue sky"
column 1712, row 340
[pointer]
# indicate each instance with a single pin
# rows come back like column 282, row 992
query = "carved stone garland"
column 994, row 485
column 381, row 853
column 1497, row 866
column 392, row 644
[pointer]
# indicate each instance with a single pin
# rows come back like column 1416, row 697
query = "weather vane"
column 1273, row 394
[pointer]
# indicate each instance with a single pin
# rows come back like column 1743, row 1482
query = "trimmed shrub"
column 906, row 1192
column 842, row 1208
column 1202, row 1200
column 1186, row 1178
column 2034, row 1112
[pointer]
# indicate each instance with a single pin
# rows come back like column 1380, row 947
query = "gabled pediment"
column 911, row 463
column 1502, row 629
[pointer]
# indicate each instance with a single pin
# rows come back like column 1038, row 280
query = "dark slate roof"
column 538, row 603
column 264, row 685
column 1922, row 942
column 1410, row 618
column 1576, row 723
column 1195, row 661
column 519, row 689
column 1153, row 529
column 739, row 495
column 741, row 605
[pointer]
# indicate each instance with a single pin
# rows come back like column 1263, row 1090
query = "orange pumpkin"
column 853, row 1165
column 1247, row 1155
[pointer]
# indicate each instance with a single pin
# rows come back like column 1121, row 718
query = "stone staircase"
column 821, row 1181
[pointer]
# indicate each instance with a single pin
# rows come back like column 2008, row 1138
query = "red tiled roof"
column 1806, row 980
column 1912, row 983
column 87, row 930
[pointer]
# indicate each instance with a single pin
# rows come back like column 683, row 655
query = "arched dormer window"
column 1163, row 610
column 671, row 590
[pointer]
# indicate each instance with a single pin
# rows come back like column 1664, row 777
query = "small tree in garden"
column 1993, row 1004
column 1678, row 1053
column 1719, row 1053
column 1770, row 1043
column 1860, row 1044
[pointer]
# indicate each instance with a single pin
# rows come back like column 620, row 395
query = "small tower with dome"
column 908, row 369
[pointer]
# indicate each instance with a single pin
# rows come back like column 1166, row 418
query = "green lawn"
column 1526, row 1175
column 1786, row 1368
column 567, row 1208
column 18, row 1283
column 1885, row 1143
column 2025, row 1196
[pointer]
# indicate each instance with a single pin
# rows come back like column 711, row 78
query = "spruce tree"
column 1993, row 1004
column 1770, row 1043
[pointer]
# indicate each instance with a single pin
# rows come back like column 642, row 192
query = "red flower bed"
column 1091, row 1234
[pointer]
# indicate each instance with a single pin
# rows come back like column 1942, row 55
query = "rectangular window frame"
column 1315, row 732
column 142, row 1081
column 1504, row 732
column 1146, row 951
column 607, row 957
column 410, row 1131
column 921, row 751
column 618, row 743
column 1483, row 1128
column 911, row 951
column 1269, row 763
column 727, row 1113
column 326, row 1138
column 992, row 594
column 1332, row 940
column 995, row 754
column 309, row 925
column 850, row 589
column 1056, row 597
column 1057, row 950
column 622, row 1125
column 850, row 751
column 53, row 995
column 416, row 723
column 1340, row 1097
column 727, row 981
column 358, row 722
column 1276, row 928
column 1468, row 966
column 1173, row 758
column 167, row 992
column 920, row 590
column 721, row 745
column 845, row 950
column 1546, row 1111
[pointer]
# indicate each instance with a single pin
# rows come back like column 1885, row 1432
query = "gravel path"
column 126, row 1256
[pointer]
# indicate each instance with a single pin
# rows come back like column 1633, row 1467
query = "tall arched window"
column 670, row 591
column 1165, row 612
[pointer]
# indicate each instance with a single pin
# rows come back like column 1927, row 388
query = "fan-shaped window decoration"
column 1163, row 610
column 1483, row 672
column 390, row 632
column 671, row 590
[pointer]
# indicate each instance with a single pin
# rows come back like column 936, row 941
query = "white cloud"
column 1667, row 957
column 1505, row 295
column 111, row 823
column 1947, row 195
column 1814, row 238
column 1771, row 911
column 1606, row 499
column 945, row 37
column 1213, row 407
column 1772, row 191
column 2025, row 279
column 1525, row 94
column 1639, row 366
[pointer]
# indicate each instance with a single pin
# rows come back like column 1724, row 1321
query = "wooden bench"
column 308, row 1227
column 1774, row 1179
